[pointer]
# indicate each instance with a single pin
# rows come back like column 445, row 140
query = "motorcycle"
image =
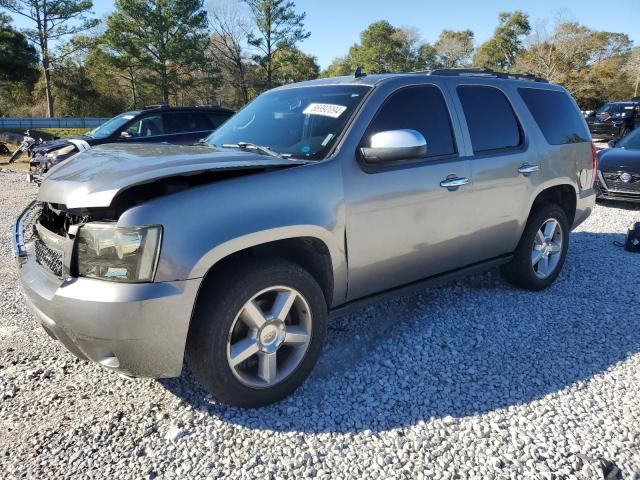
column 27, row 145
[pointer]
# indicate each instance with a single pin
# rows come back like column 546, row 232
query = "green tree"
column 454, row 49
column 292, row 65
column 501, row 51
column 384, row 48
column 18, row 58
column 163, row 36
column 277, row 26
column 588, row 63
column 339, row 66
column 53, row 20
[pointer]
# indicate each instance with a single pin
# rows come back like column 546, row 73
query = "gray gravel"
column 474, row 380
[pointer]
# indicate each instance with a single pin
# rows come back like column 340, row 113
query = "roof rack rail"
column 485, row 72
column 160, row 105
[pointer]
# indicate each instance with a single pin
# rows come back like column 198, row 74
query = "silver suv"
column 315, row 199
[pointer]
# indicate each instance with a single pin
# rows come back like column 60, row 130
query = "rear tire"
column 16, row 155
column 542, row 249
column 257, row 332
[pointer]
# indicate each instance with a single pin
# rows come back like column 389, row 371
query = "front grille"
column 49, row 258
column 614, row 182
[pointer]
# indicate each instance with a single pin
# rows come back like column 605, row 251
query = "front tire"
column 257, row 332
column 542, row 250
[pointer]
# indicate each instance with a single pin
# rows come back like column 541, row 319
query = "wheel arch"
column 562, row 194
column 310, row 247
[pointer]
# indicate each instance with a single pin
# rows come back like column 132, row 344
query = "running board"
column 430, row 282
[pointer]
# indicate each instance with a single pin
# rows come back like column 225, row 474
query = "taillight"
column 594, row 155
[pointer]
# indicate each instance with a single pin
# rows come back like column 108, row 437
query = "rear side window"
column 217, row 119
column 418, row 108
column 556, row 116
column 490, row 118
column 187, row 122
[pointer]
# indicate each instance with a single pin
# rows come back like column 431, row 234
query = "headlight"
column 61, row 152
column 125, row 254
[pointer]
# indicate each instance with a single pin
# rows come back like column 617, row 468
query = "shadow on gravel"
column 472, row 347
column 620, row 205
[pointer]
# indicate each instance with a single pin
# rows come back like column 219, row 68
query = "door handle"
column 454, row 182
column 527, row 169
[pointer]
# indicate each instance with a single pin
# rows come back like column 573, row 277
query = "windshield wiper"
column 252, row 146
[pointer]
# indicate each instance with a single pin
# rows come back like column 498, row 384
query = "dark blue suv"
column 156, row 124
column 608, row 121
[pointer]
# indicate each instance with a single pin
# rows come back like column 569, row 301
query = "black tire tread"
column 219, row 300
column 518, row 271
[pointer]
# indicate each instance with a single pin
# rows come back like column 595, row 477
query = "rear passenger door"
column 498, row 157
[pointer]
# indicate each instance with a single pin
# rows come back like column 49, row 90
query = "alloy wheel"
column 269, row 337
column 547, row 248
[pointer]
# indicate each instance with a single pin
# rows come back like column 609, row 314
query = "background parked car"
column 157, row 124
column 608, row 120
column 619, row 169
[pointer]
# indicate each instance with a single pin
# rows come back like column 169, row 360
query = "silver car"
column 315, row 199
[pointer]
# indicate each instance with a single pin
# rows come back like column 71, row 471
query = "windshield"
column 609, row 107
column 110, row 126
column 298, row 122
column 631, row 141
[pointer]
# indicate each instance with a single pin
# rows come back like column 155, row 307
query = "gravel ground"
column 473, row 380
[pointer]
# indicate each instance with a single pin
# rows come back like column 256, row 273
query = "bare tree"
column 53, row 20
column 230, row 27
column 632, row 67
column 454, row 49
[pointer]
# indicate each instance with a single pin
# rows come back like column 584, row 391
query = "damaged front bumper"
column 139, row 329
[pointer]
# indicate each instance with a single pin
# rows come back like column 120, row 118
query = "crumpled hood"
column 93, row 178
column 60, row 143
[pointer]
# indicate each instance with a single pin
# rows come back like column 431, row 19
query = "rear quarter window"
column 556, row 115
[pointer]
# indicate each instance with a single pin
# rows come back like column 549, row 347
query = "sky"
column 335, row 25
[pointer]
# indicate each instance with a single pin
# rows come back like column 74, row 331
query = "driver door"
column 402, row 224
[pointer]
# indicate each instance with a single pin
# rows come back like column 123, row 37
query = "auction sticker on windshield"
column 325, row 109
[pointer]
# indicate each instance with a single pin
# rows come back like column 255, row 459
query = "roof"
column 198, row 108
column 374, row 79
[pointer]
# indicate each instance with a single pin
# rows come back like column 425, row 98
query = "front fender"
column 254, row 239
column 205, row 224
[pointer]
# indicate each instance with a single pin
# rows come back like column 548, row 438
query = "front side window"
column 302, row 122
column 150, row 126
column 490, row 119
column 556, row 115
column 420, row 108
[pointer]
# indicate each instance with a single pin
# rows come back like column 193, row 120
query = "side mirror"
column 125, row 135
column 393, row 146
column 612, row 143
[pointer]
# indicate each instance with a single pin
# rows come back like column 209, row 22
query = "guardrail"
column 32, row 122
